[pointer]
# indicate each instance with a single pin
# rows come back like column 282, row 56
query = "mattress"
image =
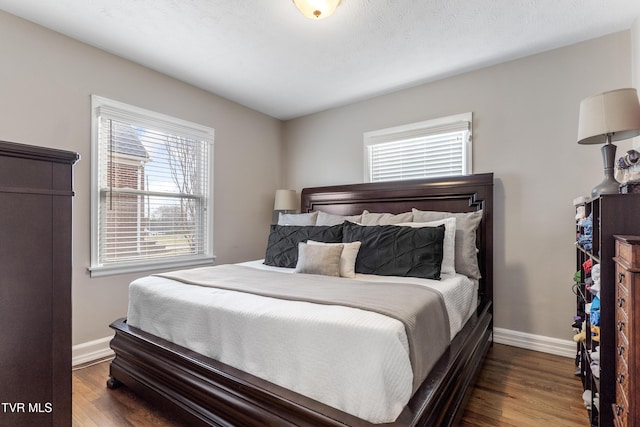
column 298, row 345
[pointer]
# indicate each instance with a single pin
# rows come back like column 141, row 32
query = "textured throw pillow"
column 282, row 247
column 331, row 219
column 317, row 259
column 347, row 259
column 369, row 218
column 297, row 219
column 389, row 250
column 466, row 225
column 449, row 244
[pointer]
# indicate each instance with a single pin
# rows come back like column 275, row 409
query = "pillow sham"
column 319, row 259
column 369, row 218
column 347, row 258
column 297, row 219
column 389, row 250
column 448, row 245
column 282, row 246
column 466, row 258
column 331, row 219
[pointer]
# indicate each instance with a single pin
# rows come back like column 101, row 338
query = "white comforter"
column 297, row 345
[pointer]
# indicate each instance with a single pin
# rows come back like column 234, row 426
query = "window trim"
column 421, row 129
column 162, row 122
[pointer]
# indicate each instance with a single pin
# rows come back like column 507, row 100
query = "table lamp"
column 285, row 201
column 609, row 116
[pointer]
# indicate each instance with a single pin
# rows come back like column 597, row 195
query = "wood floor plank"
column 516, row 387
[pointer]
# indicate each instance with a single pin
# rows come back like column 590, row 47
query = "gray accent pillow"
column 331, row 219
column 465, row 247
column 347, row 259
column 369, row 218
column 319, row 259
column 297, row 219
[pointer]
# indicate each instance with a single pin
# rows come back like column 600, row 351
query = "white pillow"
column 348, row 257
column 297, row 219
column 449, row 243
column 466, row 225
column 331, row 219
column 369, row 218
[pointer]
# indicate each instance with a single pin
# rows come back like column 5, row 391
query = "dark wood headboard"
column 449, row 194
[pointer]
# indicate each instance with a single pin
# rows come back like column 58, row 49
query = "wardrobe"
column 36, row 189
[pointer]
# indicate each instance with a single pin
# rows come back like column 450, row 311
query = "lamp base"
column 609, row 184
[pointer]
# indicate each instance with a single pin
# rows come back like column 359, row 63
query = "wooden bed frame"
column 204, row 391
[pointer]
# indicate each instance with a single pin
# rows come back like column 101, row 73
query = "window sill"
column 136, row 267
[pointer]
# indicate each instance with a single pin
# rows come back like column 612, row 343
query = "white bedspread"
column 297, row 345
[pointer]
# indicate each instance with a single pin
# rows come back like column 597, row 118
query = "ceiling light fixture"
column 317, row 9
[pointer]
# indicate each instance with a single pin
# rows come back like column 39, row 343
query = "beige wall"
column 525, row 123
column 45, row 83
column 635, row 53
column 635, row 64
column 525, row 115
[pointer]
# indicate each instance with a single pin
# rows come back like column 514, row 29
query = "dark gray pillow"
column 282, row 247
column 389, row 250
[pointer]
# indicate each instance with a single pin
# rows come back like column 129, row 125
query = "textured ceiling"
column 264, row 54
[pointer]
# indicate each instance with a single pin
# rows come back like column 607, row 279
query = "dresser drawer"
column 620, row 414
column 622, row 348
column 622, row 322
column 622, row 377
column 623, row 278
column 623, row 302
column 627, row 252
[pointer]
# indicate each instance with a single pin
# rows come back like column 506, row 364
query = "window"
column 440, row 147
column 152, row 199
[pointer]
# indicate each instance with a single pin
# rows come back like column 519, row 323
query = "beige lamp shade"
column 317, row 9
column 286, row 200
column 615, row 113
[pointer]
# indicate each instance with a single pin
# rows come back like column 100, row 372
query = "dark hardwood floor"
column 517, row 388
column 523, row 388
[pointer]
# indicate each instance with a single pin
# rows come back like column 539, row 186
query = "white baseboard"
column 565, row 348
column 91, row 351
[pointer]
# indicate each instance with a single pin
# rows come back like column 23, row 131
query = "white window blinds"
column 433, row 148
column 151, row 201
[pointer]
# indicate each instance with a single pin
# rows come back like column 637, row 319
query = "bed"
column 205, row 391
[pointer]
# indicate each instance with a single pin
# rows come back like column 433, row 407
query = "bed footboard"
column 206, row 392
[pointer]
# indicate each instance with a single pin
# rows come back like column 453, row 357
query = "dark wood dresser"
column 626, row 408
column 35, row 285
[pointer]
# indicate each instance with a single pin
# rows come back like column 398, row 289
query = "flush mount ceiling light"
column 317, row 9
